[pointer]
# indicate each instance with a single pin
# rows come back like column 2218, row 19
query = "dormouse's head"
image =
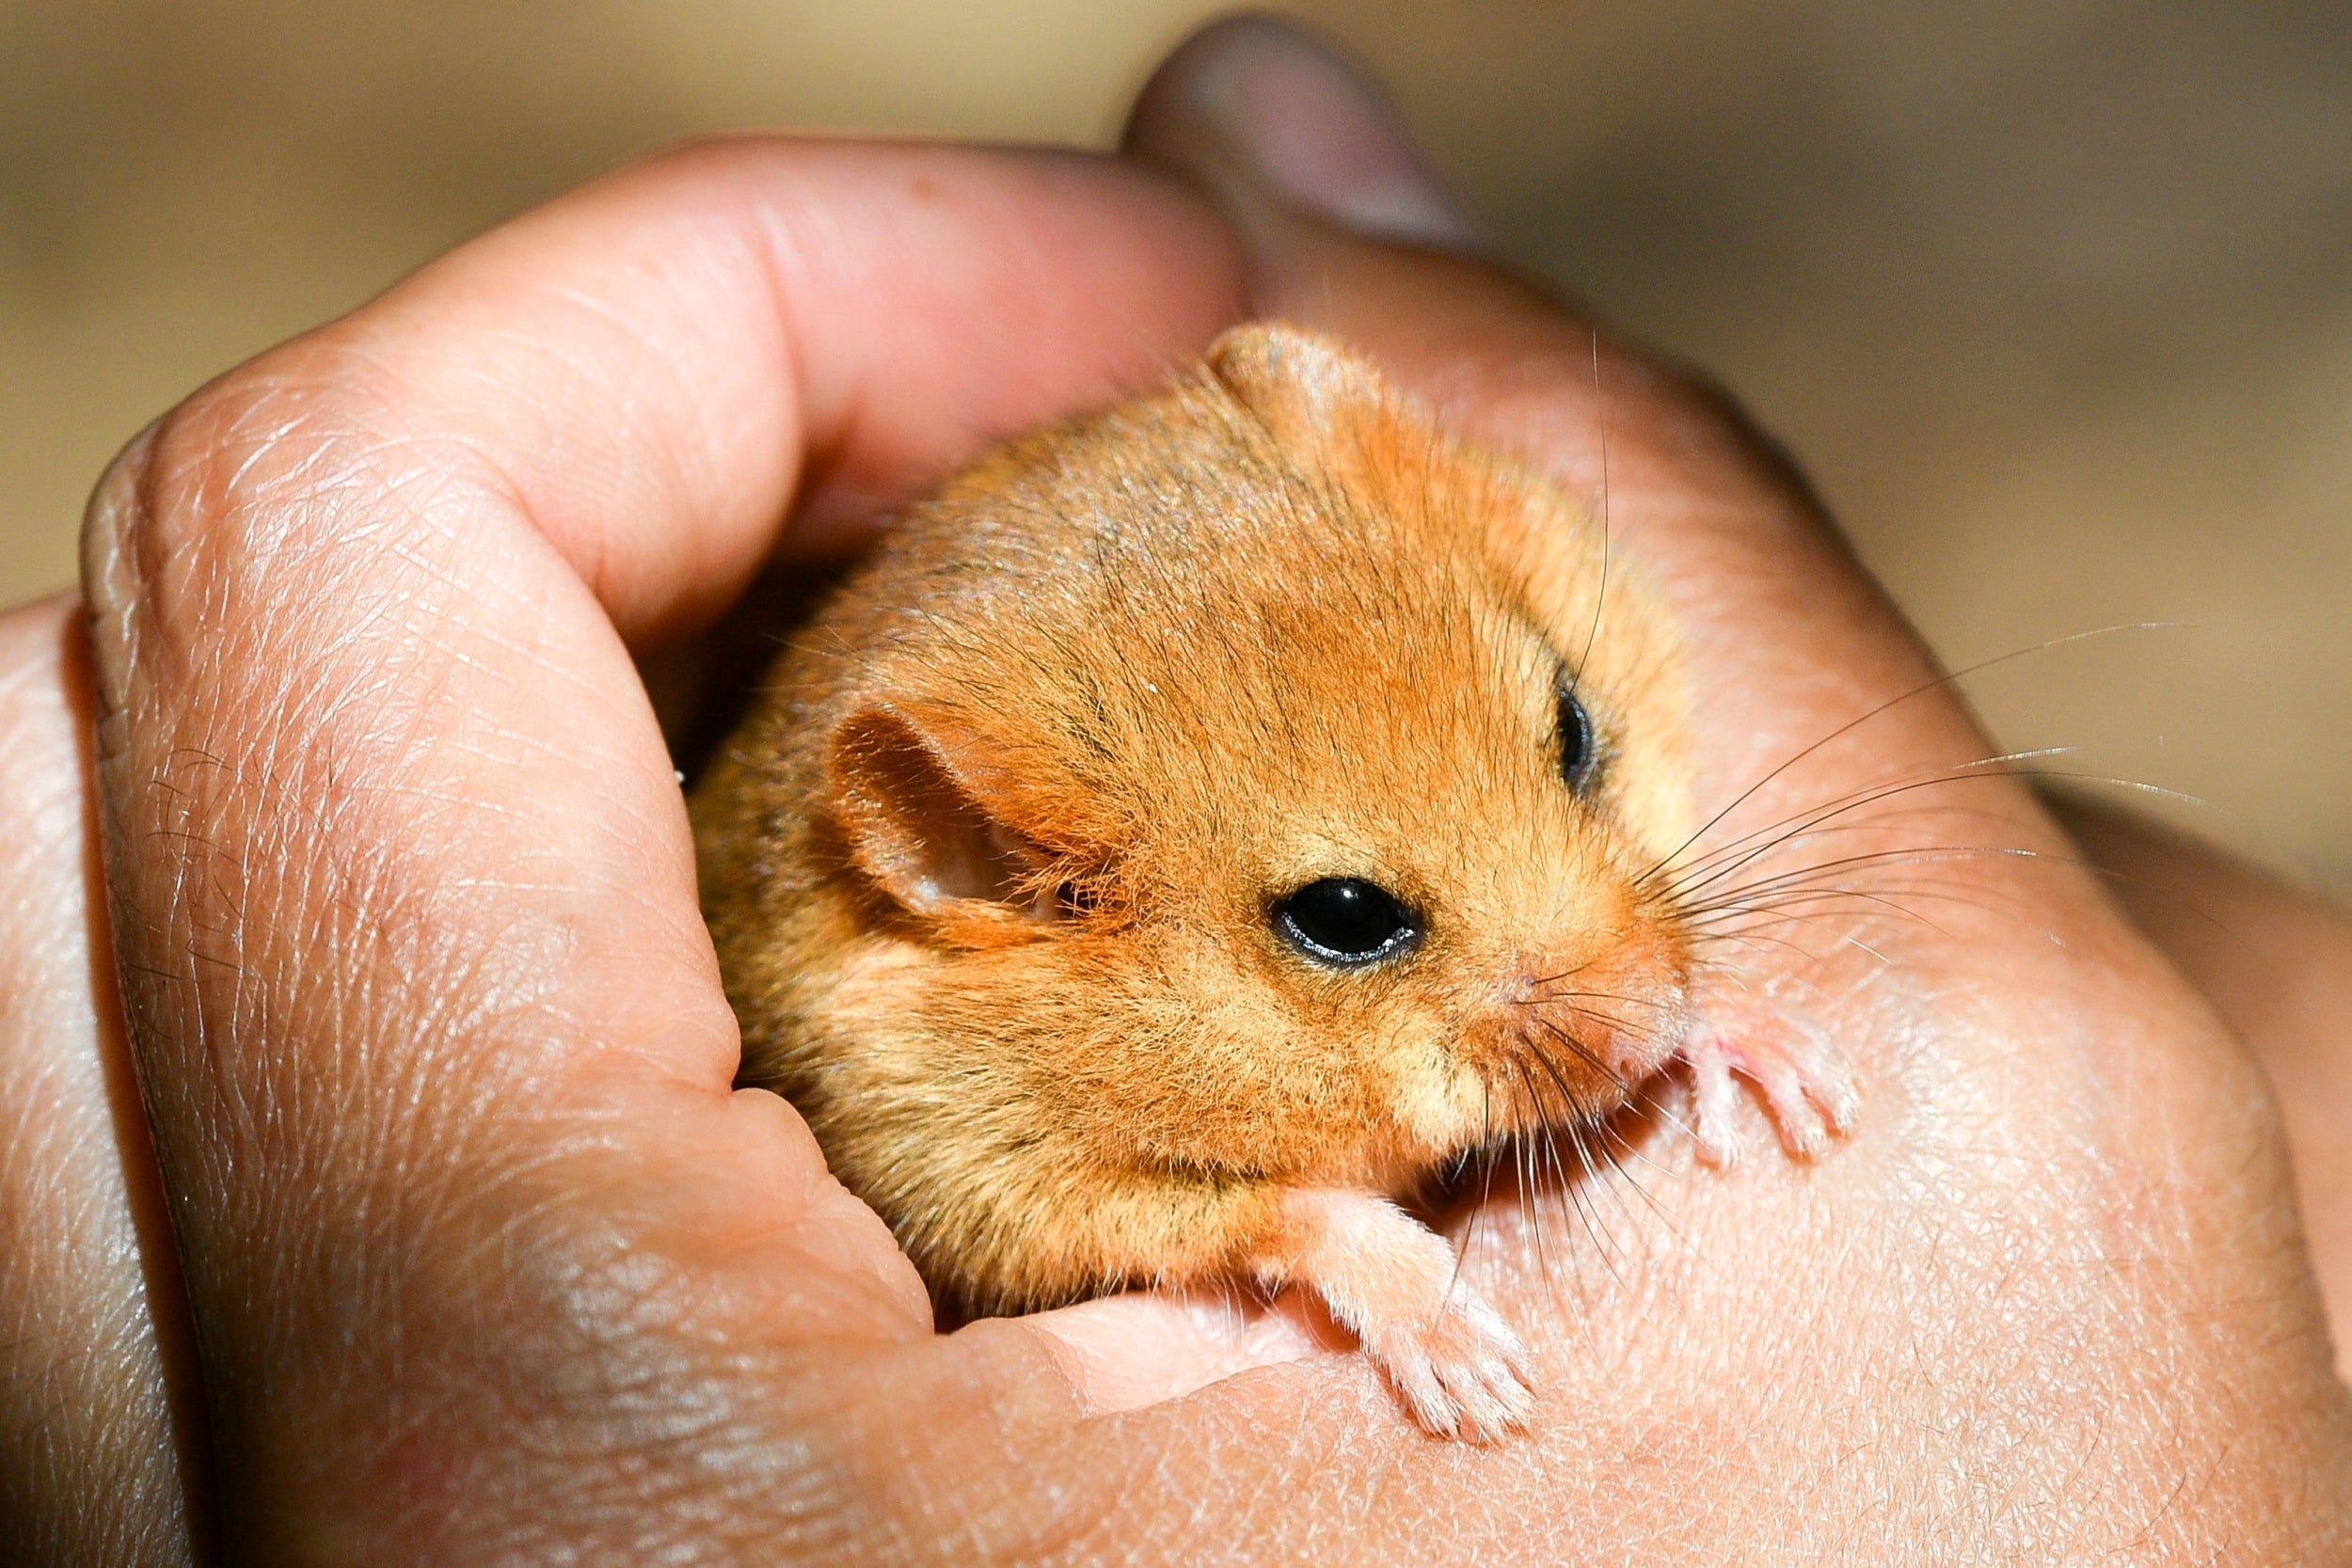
column 1260, row 779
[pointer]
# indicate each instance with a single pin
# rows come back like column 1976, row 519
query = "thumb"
column 1345, row 226
column 1266, row 118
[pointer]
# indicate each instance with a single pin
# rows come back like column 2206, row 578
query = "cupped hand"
column 487, row 1258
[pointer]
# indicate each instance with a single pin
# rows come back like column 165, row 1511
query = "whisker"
column 1612, row 1139
column 1563, row 974
column 1579, row 1193
column 1813, row 884
column 1753, row 937
column 1882, row 900
column 1918, row 690
column 1790, row 909
column 1605, row 1237
column 1574, row 1108
column 1580, row 1139
column 1809, row 890
column 1525, row 1153
column 1756, row 934
column 1572, row 1190
column 1583, row 1055
column 1600, row 596
column 1872, row 859
column 1802, row 826
column 1486, row 1141
column 1550, row 997
column 1746, row 848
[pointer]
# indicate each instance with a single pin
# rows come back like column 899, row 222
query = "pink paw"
column 1462, row 1373
column 1453, row 1361
column 1801, row 1078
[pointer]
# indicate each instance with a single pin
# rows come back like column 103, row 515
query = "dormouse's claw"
column 1801, row 1078
column 1802, row 1129
column 1833, row 1090
column 1463, row 1374
column 1712, row 1126
column 1456, row 1379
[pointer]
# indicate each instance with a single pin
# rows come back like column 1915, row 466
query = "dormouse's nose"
column 1574, row 1030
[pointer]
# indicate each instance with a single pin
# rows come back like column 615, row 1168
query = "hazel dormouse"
column 1199, row 824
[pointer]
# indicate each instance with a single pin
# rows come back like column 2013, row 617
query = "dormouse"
column 1196, row 824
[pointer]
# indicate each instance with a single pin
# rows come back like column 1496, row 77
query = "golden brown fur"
column 989, row 867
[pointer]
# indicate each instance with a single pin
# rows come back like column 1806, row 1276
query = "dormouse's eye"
column 1577, row 744
column 1346, row 921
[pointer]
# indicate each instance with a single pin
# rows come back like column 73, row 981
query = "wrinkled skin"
column 488, row 1262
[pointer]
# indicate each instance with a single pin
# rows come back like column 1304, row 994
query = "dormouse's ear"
column 1304, row 386
column 915, row 824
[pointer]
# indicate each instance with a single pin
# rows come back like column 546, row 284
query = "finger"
column 94, row 1423
column 438, row 1059
column 652, row 369
column 1127, row 1351
column 1347, row 228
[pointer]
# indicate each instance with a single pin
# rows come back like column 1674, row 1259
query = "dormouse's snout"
column 1566, row 1038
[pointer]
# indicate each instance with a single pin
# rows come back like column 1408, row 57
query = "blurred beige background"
column 2054, row 297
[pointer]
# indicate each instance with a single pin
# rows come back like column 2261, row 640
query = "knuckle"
column 227, row 451
column 260, row 460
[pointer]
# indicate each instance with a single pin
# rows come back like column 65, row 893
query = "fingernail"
column 1313, row 128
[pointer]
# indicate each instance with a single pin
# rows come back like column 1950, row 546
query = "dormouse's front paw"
column 1454, row 1362
column 1462, row 1373
column 1802, row 1077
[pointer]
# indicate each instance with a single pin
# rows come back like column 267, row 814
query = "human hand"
column 486, row 1258
column 95, row 1414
